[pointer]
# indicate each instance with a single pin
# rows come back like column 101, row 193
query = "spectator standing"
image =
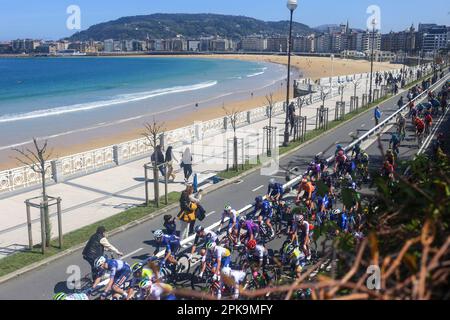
column 158, row 158
column 170, row 158
column 186, row 164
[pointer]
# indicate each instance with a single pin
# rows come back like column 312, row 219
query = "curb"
column 158, row 213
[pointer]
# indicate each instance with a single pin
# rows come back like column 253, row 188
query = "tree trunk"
column 235, row 153
column 48, row 227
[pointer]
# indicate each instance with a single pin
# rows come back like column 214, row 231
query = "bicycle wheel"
column 183, row 264
column 200, row 284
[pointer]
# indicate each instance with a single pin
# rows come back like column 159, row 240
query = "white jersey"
column 238, row 276
column 259, row 251
column 77, row 296
column 221, row 252
column 233, row 215
column 156, row 290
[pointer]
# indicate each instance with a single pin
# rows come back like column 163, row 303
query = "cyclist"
column 265, row 214
column 307, row 189
column 401, row 122
column 171, row 244
column 118, row 270
column 250, row 226
column 304, row 239
column 275, row 191
column 356, row 150
column 389, row 156
column 257, row 252
column 428, row 122
column 395, row 142
column 205, row 236
column 73, row 296
column 233, row 215
column 222, row 258
column 340, row 160
column 237, row 277
column 338, row 149
column 156, row 290
column 292, row 255
column 420, row 127
column 363, row 163
column 140, row 272
column 388, row 170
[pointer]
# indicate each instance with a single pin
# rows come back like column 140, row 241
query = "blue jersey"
column 116, row 267
column 395, row 139
column 274, row 189
column 344, row 222
column 265, row 207
column 170, row 242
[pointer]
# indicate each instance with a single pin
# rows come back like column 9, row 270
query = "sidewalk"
column 100, row 195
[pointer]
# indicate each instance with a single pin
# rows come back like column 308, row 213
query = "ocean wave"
column 255, row 74
column 124, row 98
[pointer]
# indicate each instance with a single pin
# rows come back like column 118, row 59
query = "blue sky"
column 46, row 19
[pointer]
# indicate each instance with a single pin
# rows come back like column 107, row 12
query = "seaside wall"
column 58, row 170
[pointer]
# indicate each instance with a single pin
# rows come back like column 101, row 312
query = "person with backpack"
column 95, row 248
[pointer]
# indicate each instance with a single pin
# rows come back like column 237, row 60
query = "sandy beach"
column 311, row 67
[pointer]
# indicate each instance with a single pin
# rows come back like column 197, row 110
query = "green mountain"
column 161, row 26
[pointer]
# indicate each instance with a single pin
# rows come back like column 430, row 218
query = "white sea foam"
column 124, row 98
column 255, row 74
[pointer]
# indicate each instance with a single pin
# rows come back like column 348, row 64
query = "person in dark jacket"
column 158, row 157
column 95, row 248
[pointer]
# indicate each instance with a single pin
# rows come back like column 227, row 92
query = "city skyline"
column 47, row 21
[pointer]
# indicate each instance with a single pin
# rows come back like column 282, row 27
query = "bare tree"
column 233, row 116
column 153, row 133
column 36, row 160
column 269, row 99
column 355, row 86
column 301, row 101
column 324, row 95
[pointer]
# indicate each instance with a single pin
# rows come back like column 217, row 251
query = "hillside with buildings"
column 198, row 33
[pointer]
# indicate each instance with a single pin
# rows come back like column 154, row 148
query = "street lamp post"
column 292, row 5
column 374, row 22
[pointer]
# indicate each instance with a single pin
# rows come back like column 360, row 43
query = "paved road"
column 137, row 242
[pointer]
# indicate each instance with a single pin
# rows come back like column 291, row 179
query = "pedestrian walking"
column 186, row 164
column 170, row 158
column 95, row 248
column 377, row 115
column 291, row 115
column 158, row 159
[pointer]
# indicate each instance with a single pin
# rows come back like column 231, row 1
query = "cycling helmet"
column 301, row 217
column 271, row 181
column 227, row 207
column 341, row 153
column 199, row 229
column 99, row 261
column 251, row 244
column 136, row 267
column 158, row 234
column 242, row 219
column 338, row 146
column 145, row 283
column 316, row 158
column 210, row 245
column 259, row 199
column 226, row 271
column 336, row 211
column 59, row 296
column 288, row 249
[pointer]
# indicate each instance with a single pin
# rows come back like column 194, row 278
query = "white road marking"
column 131, row 253
column 350, row 134
column 257, row 188
column 212, row 212
column 363, row 125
